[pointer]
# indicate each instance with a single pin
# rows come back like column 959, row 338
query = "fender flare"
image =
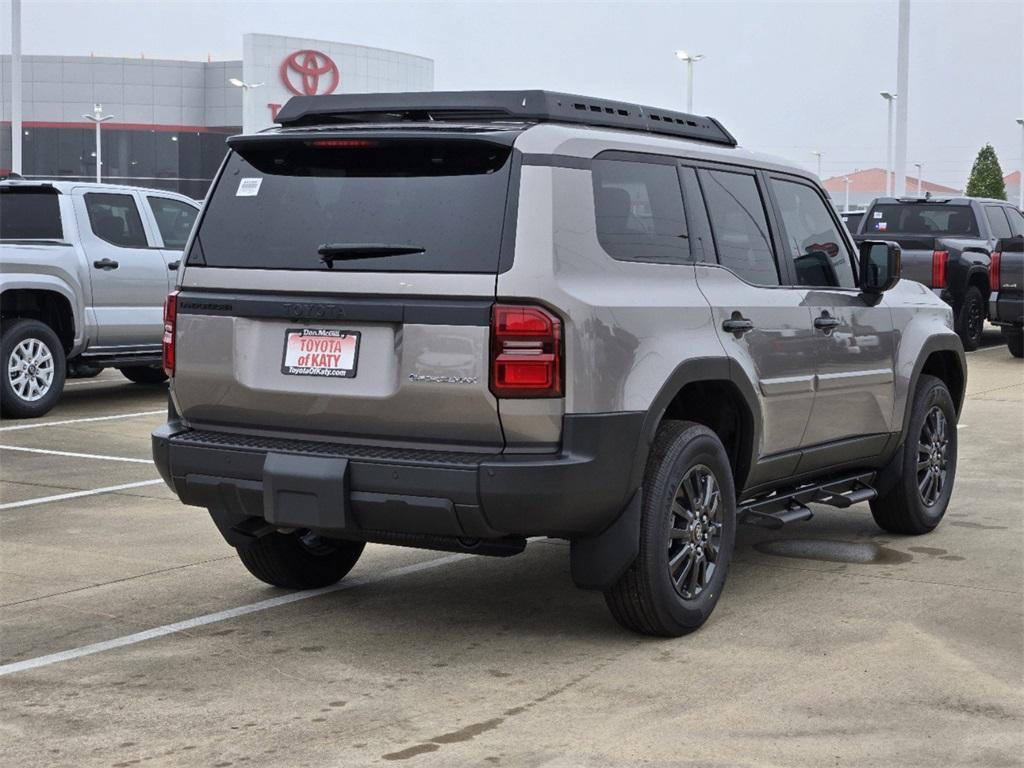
column 942, row 343
column 598, row 561
column 690, row 372
column 50, row 284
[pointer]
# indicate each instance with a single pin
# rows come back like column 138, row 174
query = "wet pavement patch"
column 829, row 551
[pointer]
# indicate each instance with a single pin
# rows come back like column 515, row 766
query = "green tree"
column 986, row 176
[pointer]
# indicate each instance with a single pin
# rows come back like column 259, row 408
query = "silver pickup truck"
column 84, row 270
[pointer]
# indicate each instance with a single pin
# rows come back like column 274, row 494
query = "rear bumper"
column 1006, row 309
column 370, row 492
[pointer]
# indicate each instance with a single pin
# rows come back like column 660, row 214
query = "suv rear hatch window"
column 426, row 205
column 925, row 219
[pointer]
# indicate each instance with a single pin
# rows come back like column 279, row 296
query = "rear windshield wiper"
column 331, row 252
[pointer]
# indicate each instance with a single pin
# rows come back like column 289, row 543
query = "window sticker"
column 249, row 187
column 882, row 226
column 876, row 215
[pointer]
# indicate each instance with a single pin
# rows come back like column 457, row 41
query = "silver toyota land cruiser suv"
column 459, row 320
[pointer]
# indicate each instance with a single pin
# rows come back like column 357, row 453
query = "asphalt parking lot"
column 131, row 635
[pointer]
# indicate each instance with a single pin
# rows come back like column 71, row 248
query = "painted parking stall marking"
column 77, row 494
column 211, row 618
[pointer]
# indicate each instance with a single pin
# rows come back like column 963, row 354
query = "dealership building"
column 169, row 119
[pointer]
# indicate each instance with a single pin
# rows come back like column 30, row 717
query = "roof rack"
column 530, row 106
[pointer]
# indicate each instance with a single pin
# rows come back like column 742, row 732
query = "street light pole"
column 846, row 205
column 1020, row 187
column 818, row 154
column 16, row 132
column 246, row 87
column 889, row 97
column 899, row 159
column 98, row 118
column 690, row 60
column 919, row 166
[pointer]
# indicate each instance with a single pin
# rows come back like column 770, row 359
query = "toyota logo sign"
column 310, row 73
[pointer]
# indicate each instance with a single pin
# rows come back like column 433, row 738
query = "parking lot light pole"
column 16, row 130
column 919, row 166
column 1020, row 184
column 818, row 155
column 99, row 118
column 889, row 97
column 246, row 87
column 846, row 204
column 690, row 59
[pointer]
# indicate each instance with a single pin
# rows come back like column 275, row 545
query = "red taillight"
column 526, row 352
column 939, row 259
column 994, row 278
column 170, row 323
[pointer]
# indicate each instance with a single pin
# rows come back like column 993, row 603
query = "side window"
column 115, row 218
column 639, row 211
column 814, row 243
column 739, row 226
column 997, row 220
column 174, row 219
column 1016, row 221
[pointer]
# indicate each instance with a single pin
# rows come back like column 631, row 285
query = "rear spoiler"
column 518, row 106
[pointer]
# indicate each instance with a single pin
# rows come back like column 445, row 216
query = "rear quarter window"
column 638, row 209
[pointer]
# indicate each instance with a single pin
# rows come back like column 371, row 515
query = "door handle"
column 106, row 264
column 826, row 322
column 737, row 324
column 173, row 265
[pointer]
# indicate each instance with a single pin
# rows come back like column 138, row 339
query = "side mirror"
column 879, row 266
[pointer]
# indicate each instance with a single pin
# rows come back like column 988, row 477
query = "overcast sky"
column 784, row 77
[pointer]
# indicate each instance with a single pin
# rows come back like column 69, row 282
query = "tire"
column 970, row 318
column 31, row 359
column 646, row 599
column 144, row 374
column 299, row 560
column 910, row 506
column 1015, row 341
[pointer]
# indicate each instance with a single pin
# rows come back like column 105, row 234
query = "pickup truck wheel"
column 687, row 534
column 33, row 369
column 970, row 318
column 1015, row 341
column 299, row 560
column 918, row 499
column 144, row 374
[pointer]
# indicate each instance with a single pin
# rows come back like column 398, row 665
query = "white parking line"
column 76, row 494
column 74, row 455
column 38, row 424
column 211, row 618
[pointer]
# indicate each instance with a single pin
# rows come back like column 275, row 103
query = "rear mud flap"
column 305, row 491
column 597, row 562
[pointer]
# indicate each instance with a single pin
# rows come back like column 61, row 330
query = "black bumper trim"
column 577, row 491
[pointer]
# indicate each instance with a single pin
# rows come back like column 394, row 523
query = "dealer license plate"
column 320, row 352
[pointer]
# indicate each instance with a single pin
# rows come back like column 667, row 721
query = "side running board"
column 790, row 505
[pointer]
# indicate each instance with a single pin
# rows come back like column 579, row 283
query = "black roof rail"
column 527, row 106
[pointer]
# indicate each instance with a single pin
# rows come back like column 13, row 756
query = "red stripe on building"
column 156, row 128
